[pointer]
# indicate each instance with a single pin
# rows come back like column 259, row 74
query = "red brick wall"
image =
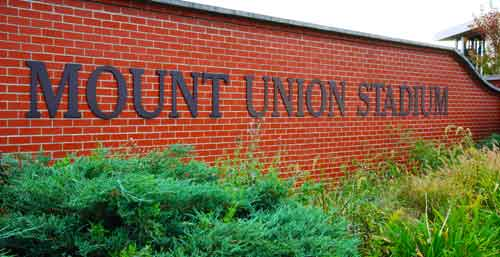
column 495, row 82
column 150, row 36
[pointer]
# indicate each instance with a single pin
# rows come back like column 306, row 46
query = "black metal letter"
column 415, row 97
column 378, row 89
column 91, row 92
column 441, row 100
column 287, row 100
column 426, row 113
column 363, row 97
column 300, row 97
column 402, row 90
column 322, row 107
column 339, row 99
column 136, row 75
column 190, row 99
column 70, row 75
column 250, row 108
column 215, row 90
column 389, row 101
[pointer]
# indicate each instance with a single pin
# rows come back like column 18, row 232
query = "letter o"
column 92, row 97
column 322, row 107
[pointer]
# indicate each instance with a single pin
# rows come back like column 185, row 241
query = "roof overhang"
column 457, row 32
column 492, row 77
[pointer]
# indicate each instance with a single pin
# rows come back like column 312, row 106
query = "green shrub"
column 161, row 204
column 365, row 199
column 447, row 206
column 4, row 253
column 476, row 174
column 428, row 155
column 290, row 230
column 461, row 231
column 493, row 141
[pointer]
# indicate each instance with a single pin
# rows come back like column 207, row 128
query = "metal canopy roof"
column 456, row 32
column 492, row 77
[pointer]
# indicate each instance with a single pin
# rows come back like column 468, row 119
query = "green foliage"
column 445, row 205
column 462, row 231
column 493, row 141
column 290, row 230
column 488, row 64
column 365, row 199
column 132, row 251
column 427, row 155
column 446, row 202
column 476, row 174
column 160, row 204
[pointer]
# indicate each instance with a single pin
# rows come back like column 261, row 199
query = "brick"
column 18, row 140
column 21, row 4
column 95, row 33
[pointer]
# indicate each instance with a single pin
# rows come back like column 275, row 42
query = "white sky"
column 417, row 20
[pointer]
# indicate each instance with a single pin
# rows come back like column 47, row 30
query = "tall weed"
column 446, row 202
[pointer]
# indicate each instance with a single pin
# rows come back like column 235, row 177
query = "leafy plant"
column 461, row 231
column 158, row 204
column 493, row 141
column 290, row 230
column 445, row 204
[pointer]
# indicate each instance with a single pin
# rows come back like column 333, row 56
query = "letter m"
column 441, row 100
column 52, row 100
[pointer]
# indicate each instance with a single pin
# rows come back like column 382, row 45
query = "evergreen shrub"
column 161, row 204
